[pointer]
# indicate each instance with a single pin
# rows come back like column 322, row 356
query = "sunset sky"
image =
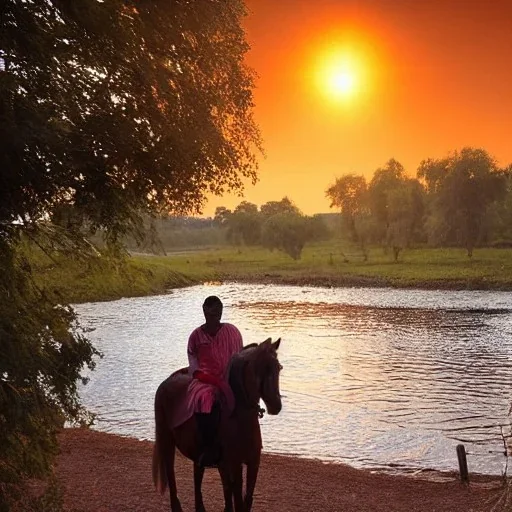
column 344, row 85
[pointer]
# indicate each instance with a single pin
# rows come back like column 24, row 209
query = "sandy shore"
column 354, row 281
column 107, row 473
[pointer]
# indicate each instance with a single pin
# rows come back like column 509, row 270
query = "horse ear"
column 266, row 343
column 276, row 344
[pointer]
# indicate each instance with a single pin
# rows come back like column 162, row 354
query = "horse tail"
column 162, row 444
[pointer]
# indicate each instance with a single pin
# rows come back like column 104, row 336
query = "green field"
column 325, row 264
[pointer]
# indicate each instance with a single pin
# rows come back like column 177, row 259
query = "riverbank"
column 102, row 472
column 328, row 264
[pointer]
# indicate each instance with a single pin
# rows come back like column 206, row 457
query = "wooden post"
column 463, row 464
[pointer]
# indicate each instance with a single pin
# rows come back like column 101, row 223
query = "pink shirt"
column 211, row 355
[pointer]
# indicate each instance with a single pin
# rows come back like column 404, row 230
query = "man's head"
column 212, row 309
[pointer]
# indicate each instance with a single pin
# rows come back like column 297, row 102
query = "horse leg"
column 198, row 480
column 171, row 478
column 237, row 481
column 227, row 489
column 164, row 452
column 252, row 475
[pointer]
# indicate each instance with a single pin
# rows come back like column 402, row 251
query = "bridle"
column 246, row 403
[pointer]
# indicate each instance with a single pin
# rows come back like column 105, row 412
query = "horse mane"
column 236, row 372
column 236, row 376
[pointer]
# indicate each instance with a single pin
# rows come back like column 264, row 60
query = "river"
column 374, row 377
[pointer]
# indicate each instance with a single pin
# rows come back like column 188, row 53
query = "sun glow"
column 341, row 82
column 339, row 74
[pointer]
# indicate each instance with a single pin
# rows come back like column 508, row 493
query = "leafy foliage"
column 276, row 225
column 349, row 194
column 120, row 107
column 276, row 207
column 287, row 232
column 405, row 211
column 500, row 214
column 109, row 111
column 382, row 188
column 462, row 200
column 462, row 188
column 388, row 210
column 244, row 224
column 43, row 351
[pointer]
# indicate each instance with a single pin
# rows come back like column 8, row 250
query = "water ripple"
column 372, row 377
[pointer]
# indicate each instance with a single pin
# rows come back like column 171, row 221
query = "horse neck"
column 247, row 397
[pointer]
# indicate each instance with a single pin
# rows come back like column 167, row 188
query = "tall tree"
column 244, row 224
column 348, row 193
column 113, row 110
column 384, row 181
column 405, row 210
column 461, row 189
column 396, row 204
column 501, row 213
column 130, row 105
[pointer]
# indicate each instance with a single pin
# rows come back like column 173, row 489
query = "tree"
column 110, row 110
column 501, row 213
column 276, row 225
column 287, row 232
column 275, row 207
column 317, row 229
column 461, row 189
column 222, row 215
column 405, row 214
column 348, row 193
column 384, row 181
column 244, row 224
column 396, row 205
column 433, row 173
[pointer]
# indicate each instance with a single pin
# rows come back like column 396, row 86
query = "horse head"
column 254, row 375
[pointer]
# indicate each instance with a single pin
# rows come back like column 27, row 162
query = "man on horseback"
column 210, row 348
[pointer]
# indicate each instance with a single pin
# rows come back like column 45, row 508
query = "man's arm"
column 193, row 362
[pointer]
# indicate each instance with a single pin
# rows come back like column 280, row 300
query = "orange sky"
column 434, row 76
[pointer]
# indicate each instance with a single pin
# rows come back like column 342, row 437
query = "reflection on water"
column 372, row 377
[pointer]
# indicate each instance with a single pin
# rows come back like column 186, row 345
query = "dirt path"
column 106, row 473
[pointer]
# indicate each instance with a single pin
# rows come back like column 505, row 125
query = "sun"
column 341, row 83
column 339, row 74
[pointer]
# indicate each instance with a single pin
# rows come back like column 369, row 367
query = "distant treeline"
column 276, row 225
column 463, row 200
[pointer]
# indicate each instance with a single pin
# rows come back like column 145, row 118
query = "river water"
column 373, row 377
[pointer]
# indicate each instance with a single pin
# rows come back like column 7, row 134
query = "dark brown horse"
column 253, row 375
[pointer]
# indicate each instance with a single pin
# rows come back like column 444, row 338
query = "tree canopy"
column 274, row 207
column 462, row 188
column 275, row 225
column 122, row 106
column 109, row 111
column 349, row 194
column 462, row 200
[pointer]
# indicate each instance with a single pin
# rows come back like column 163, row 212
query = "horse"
column 253, row 375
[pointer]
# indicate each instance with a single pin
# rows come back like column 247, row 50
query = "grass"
column 327, row 264
column 78, row 281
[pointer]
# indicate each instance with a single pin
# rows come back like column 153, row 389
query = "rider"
column 210, row 348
